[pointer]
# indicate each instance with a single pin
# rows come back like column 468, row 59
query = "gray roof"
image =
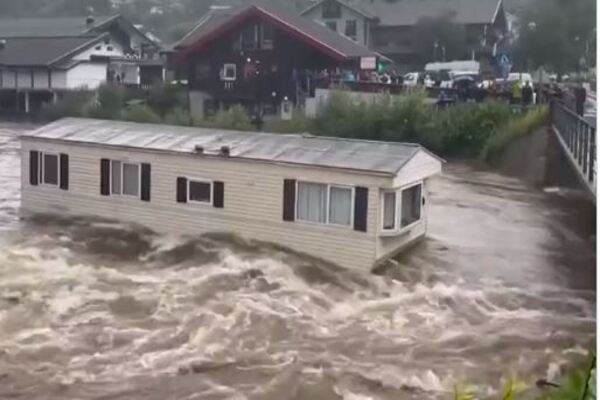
column 358, row 155
column 49, row 27
column 42, row 51
column 408, row 12
column 310, row 29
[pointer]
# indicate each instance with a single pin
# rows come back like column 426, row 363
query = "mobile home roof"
column 363, row 155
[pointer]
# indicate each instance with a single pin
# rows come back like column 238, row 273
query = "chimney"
column 225, row 151
column 89, row 21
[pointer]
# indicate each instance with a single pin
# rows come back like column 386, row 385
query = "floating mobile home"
column 351, row 202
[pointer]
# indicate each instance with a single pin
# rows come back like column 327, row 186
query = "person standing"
column 580, row 96
column 527, row 94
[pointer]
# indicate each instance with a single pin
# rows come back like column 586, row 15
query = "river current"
column 504, row 284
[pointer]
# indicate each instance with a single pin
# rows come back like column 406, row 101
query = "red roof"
column 305, row 30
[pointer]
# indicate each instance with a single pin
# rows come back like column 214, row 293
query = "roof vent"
column 2, row 43
column 89, row 21
column 198, row 149
column 225, row 151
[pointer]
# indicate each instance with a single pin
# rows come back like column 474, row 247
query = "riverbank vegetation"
column 481, row 130
column 578, row 384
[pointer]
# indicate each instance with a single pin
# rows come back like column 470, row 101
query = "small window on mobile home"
column 389, row 211
column 115, row 177
column 311, row 202
column 200, row 191
column 340, row 205
column 411, row 206
column 50, row 169
column 131, row 179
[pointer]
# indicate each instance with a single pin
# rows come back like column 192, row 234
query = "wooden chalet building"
column 264, row 58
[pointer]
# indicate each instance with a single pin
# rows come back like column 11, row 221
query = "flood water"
column 504, row 283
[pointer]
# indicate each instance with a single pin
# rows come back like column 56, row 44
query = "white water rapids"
column 504, row 283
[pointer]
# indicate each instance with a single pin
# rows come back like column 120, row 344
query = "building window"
column 331, row 9
column 331, row 25
column 326, row 204
column 351, row 29
column 411, row 206
column 389, row 211
column 266, row 39
column 125, row 178
column 249, row 38
column 49, row 169
column 340, row 205
column 229, row 72
column 200, row 191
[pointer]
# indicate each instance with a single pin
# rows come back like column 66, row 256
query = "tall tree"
column 439, row 38
column 557, row 34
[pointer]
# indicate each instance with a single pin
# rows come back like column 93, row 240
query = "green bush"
column 71, row 104
column 164, row 98
column 456, row 131
column 141, row 113
column 515, row 128
column 298, row 124
column 110, row 102
column 235, row 118
column 178, row 116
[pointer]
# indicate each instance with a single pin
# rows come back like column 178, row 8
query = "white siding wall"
column 316, row 14
column 59, row 79
column 8, row 79
column 253, row 200
column 101, row 49
column 24, row 78
column 40, row 79
column 86, row 75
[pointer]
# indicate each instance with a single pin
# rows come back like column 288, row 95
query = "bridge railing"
column 578, row 136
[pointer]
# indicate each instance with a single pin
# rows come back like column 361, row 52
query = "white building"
column 41, row 58
column 351, row 202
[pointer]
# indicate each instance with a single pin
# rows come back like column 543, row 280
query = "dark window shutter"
column 64, row 171
column 145, row 194
column 289, row 199
column 105, row 177
column 218, row 193
column 361, row 206
column 181, row 190
column 33, row 167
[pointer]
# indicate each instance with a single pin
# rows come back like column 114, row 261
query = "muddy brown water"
column 504, row 283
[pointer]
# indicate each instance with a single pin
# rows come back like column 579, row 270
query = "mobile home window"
column 340, row 205
column 312, row 202
column 125, row 178
column 200, row 191
column 389, row 210
column 411, row 206
column 49, row 169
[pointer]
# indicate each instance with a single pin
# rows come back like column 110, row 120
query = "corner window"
column 331, row 9
column 389, row 211
column 351, row 29
column 199, row 191
column 331, row 25
column 125, row 178
column 49, row 169
column 411, row 206
column 325, row 204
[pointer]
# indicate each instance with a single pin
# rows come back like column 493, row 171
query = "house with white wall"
column 350, row 202
column 41, row 58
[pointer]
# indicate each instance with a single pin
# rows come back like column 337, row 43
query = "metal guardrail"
column 578, row 138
